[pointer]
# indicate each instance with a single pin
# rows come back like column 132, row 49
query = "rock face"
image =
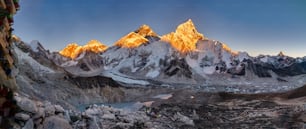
column 178, row 67
column 93, row 82
column 142, row 35
column 131, row 40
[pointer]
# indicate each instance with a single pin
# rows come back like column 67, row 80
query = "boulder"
column 26, row 105
column 22, row 116
column 54, row 122
column 109, row 116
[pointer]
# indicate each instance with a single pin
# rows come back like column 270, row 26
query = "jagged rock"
column 29, row 125
column 22, row 116
column 54, row 122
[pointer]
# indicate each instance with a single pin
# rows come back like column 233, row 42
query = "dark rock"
column 91, row 82
column 178, row 67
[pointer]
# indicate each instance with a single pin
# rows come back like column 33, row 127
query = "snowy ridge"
column 25, row 58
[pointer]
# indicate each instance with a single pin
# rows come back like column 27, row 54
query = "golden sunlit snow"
column 185, row 37
column 73, row 50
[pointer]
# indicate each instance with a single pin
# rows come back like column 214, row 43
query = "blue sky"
column 255, row 26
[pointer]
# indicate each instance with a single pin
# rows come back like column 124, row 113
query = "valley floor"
column 177, row 109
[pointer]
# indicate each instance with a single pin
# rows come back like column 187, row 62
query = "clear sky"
column 255, row 26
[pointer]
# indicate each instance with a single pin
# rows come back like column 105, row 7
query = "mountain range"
column 184, row 57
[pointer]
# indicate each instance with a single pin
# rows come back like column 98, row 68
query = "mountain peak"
column 281, row 54
column 73, row 50
column 131, row 40
column 145, row 31
column 185, row 37
column 136, row 38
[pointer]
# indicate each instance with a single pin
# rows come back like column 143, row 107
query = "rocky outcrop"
column 40, row 115
column 258, row 69
column 178, row 67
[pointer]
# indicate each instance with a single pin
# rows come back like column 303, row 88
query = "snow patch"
column 69, row 63
column 152, row 74
column 163, row 96
column 124, row 79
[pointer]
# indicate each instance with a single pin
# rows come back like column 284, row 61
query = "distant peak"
column 136, row 38
column 145, row 31
column 73, row 50
column 281, row 53
column 131, row 40
column 185, row 37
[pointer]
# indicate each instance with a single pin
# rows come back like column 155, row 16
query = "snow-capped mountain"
column 78, row 60
column 183, row 56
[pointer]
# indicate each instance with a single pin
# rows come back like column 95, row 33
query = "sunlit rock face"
column 136, row 38
column 73, row 50
column 131, row 40
column 185, row 37
column 145, row 31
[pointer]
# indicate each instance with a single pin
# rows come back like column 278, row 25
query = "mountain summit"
column 73, row 50
column 145, row 31
column 185, row 37
column 136, row 38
